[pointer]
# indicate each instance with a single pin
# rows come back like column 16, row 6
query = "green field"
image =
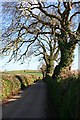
column 25, row 72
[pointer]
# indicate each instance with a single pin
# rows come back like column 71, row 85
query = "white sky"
column 33, row 64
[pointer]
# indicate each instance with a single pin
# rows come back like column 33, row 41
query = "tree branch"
column 74, row 3
column 48, row 14
column 74, row 15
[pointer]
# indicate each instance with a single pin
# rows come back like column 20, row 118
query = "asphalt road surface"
column 33, row 103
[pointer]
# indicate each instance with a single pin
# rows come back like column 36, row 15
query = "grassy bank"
column 11, row 84
column 65, row 95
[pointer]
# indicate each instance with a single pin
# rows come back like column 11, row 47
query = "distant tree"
column 28, row 21
column 48, row 50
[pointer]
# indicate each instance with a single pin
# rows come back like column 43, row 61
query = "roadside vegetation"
column 65, row 94
column 15, row 81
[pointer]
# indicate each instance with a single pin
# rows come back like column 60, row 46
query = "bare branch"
column 74, row 3
column 48, row 14
column 74, row 15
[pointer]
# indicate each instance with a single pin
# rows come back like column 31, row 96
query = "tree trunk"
column 49, row 69
column 66, row 59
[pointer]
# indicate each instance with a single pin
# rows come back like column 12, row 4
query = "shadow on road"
column 33, row 102
column 22, row 84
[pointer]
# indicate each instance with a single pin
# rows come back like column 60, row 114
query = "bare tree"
column 49, row 51
column 29, row 21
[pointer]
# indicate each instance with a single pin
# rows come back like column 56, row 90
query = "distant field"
column 25, row 72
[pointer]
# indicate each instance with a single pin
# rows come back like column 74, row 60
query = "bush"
column 66, row 96
column 11, row 84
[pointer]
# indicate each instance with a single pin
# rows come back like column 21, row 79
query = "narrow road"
column 33, row 103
